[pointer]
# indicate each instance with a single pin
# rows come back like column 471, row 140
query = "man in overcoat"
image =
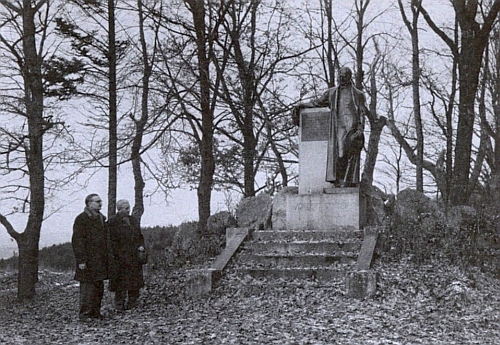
column 127, row 243
column 90, row 247
column 346, row 125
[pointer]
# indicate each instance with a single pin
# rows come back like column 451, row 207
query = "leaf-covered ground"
column 435, row 304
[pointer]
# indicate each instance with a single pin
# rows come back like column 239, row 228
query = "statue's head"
column 345, row 76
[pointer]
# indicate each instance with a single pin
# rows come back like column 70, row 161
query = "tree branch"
column 10, row 229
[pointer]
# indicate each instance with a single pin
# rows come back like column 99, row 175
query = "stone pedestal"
column 317, row 206
column 341, row 207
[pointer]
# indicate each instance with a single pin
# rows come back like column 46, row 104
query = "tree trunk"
column 468, row 81
column 413, row 28
column 28, row 265
column 376, row 127
column 495, row 169
column 331, row 54
column 415, row 84
column 113, row 138
column 28, row 241
column 249, row 143
column 140, row 124
column 207, row 170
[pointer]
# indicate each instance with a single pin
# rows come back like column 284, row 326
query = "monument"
column 330, row 142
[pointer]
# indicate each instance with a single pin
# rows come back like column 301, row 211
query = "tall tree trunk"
column 331, row 54
column 376, row 124
column 249, row 144
column 415, row 84
column 113, row 118
column 468, row 82
column 140, row 124
column 495, row 170
column 207, row 169
column 32, row 73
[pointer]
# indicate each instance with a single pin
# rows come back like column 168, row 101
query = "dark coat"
column 125, row 239
column 90, row 246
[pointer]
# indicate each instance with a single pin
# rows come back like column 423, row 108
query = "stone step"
column 307, row 235
column 321, row 274
column 312, row 255
column 299, row 260
column 246, row 285
column 298, row 247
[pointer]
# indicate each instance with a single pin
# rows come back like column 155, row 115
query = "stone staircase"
column 323, row 256
column 335, row 252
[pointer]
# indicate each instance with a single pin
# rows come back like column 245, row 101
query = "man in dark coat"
column 126, row 242
column 347, row 120
column 90, row 246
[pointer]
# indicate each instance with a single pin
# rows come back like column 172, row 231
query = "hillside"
column 430, row 304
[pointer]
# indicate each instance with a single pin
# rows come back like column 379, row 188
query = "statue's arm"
column 322, row 101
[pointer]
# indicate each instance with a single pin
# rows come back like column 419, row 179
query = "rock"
column 456, row 294
column 185, row 240
column 219, row 222
column 461, row 215
column 415, row 207
column 255, row 212
column 379, row 205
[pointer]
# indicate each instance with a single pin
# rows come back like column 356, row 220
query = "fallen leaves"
column 432, row 304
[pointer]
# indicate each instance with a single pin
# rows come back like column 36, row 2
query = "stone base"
column 362, row 284
column 200, row 282
column 341, row 207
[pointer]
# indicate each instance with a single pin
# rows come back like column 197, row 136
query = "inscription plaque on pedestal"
column 313, row 140
column 314, row 126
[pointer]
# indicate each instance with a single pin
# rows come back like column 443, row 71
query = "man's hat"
column 354, row 141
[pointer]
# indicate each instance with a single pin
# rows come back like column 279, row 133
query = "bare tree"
column 150, row 120
column 413, row 28
column 204, row 40
column 113, row 111
column 92, row 30
column 256, row 38
column 490, row 115
column 474, row 33
column 27, row 51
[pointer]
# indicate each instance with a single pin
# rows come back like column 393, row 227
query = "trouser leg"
column 98, row 294
column 86, row 289
column 120, row 299
column 133, row 296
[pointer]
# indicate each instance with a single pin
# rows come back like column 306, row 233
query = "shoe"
column 98, row 316
column 130, row 306
column 85, row 319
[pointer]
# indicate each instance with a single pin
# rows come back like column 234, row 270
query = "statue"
column 346, row 126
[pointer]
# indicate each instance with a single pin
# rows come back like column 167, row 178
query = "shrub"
column 158, row 239
column 9, row 263
column 464, row 235
column 57, row 257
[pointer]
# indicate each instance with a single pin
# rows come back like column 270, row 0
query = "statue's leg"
column 342, row 165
